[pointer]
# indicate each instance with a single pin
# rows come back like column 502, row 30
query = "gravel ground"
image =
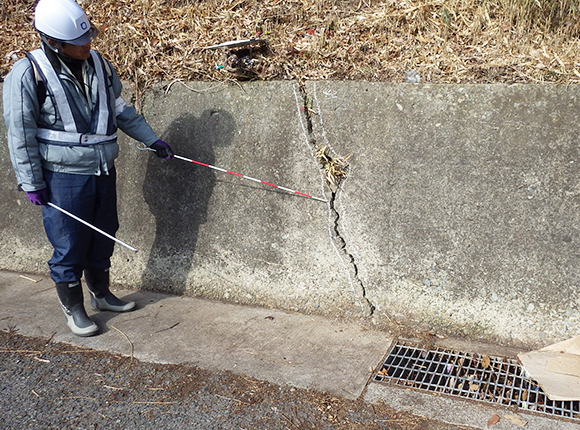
column 53, row 385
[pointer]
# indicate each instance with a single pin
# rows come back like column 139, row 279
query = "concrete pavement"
column 281, row 347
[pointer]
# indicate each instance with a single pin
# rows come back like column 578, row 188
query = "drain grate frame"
column 496, row 380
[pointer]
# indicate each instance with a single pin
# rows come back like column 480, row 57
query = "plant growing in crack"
column 335, row 168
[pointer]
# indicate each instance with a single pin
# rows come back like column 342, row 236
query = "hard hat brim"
column 85, row 38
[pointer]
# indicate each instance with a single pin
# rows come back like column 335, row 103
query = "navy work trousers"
column 76, row 246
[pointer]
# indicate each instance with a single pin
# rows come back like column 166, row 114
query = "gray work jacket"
column 40, row 135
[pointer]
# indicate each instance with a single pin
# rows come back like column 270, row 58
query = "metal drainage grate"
column 497, row 380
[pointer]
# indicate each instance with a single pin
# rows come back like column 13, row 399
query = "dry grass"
column 445, row 41
column 335, row 168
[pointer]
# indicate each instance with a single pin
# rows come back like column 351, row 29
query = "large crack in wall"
column 337, row 237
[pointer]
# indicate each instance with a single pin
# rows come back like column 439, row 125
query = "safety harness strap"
column 54, row 136
column 70, row 135
column 103, row 117
column 55, row 85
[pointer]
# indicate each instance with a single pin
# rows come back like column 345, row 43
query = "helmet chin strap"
column 57, row 49
column 49, row 43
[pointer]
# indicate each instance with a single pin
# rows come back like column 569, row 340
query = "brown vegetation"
column 442, row 41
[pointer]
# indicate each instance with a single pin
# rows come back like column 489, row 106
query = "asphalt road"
column 51, row 385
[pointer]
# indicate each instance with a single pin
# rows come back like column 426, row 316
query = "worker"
column 62, row 108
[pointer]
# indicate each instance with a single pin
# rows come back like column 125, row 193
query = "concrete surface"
column 461, row 209
column 285, row 348
column 460, row 412
column 459, row 213
column 281, row 347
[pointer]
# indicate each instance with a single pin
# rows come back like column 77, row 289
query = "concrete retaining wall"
column 459, row 213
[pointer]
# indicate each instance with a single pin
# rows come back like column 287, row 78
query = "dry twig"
column 128, row 340
column 30, row 279
column 20, row 351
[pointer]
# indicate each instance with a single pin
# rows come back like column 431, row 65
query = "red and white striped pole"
column 250, row 178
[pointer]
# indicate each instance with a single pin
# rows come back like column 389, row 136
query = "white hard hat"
column 63, row 21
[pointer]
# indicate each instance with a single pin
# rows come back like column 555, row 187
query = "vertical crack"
column 338, row 240
column 367, row 307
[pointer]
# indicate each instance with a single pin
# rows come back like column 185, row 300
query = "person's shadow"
column 178, row 194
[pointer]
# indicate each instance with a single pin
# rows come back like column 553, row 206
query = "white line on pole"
column 92, row 226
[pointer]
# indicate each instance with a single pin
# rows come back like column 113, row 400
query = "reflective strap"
column 120, row 105
column 57, row 90
column 73, row 138
column 103, row 114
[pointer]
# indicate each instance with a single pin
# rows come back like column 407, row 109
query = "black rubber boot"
column 101, row 297
column 70, row 295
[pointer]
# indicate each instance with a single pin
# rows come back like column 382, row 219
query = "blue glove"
column 39, row 197
column 162, row 149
